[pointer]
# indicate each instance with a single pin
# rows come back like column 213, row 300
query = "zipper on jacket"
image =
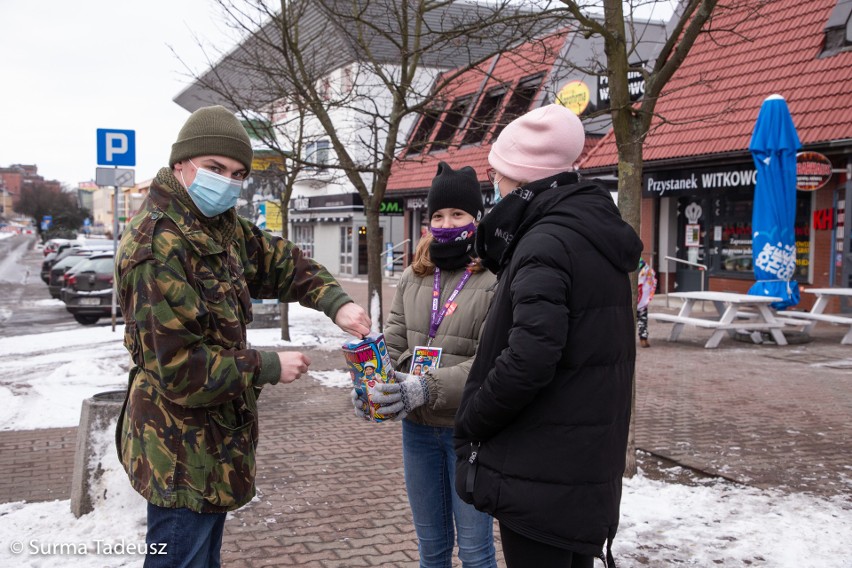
column 471, row 471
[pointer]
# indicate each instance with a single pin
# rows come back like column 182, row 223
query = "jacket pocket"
column 466, row 469
column 232, row 442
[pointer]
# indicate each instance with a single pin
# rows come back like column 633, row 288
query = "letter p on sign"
column 116, row 147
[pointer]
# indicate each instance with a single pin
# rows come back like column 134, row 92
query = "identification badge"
column 424, row 358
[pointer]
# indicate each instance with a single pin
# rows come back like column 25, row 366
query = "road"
column 25, row 304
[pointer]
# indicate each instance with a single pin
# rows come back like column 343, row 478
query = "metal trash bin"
column 690, row 280
column 97, row 420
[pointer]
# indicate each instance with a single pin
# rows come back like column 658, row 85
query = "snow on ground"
column 44, row 379
column 662, row 524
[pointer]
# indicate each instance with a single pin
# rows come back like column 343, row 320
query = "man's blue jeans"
column 430, row 463
column 193, row 540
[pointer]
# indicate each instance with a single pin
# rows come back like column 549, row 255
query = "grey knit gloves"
column 401, row 397
column 395, row 399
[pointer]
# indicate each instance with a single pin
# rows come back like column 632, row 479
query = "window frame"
column 480, row 124
column 450, row 128
column 511, row 112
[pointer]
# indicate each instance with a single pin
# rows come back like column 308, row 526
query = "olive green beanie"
column 212, row 131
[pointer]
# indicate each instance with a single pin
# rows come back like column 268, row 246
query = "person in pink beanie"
column 541, row 430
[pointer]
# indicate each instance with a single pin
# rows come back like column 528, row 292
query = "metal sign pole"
column 114, row 247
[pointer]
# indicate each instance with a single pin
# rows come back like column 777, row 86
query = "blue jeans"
column 193, row 540
column 430, row 463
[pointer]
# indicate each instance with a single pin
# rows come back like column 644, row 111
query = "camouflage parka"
column 188, row 431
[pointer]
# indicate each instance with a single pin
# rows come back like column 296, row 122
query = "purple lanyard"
column 437, row 317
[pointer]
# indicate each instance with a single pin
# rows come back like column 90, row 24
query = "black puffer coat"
column 547, row 402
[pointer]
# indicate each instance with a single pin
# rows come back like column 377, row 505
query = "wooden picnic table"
column 817, row 313
column 731, row 308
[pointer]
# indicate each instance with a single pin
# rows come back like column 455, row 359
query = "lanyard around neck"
column 437, row 316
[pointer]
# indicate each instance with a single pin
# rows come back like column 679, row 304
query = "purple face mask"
column 453, row 233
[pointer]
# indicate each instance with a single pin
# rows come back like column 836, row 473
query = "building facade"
column 326, row 213
column 699, row 176
column 482, row 101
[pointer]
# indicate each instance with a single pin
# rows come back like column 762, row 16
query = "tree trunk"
column 629, row 204
column 284, row 307
column 284, row 312
column 374, row 268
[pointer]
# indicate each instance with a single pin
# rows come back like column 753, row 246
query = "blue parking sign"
column 116, row 147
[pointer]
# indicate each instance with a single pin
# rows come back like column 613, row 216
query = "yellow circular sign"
column 574, row 96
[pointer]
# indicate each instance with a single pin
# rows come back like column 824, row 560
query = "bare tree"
column 631, row 121
column 279, row 176
column 363, row 70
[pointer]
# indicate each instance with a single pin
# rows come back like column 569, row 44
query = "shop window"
column 421, row 136
column 450, row 125
column 483, row 119
column 520, row 101
column 725, row 239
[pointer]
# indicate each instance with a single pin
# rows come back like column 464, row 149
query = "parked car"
column 56, row 279
column 66, row 249
column 88, row 294
column 53, row 245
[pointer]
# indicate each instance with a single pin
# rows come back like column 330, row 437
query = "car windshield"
column 101, row 265
column 69, row 261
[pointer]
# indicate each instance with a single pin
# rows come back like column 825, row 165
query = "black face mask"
column 451, row 255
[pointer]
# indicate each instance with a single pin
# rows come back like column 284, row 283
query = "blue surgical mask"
column 497, row 196
column 212, row 194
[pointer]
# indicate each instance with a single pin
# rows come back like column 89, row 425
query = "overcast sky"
column 69, row 68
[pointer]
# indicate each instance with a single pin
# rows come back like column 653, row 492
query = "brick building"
column 697, row 166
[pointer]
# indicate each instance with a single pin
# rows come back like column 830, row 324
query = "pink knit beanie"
column 539, row 144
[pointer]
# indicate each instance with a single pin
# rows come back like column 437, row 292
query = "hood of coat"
column 588, row 209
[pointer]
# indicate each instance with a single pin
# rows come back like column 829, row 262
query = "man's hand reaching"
column 352, row 319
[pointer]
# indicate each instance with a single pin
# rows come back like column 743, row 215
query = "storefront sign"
column 391, row 206
column 338, row 201
column 299, row 203
column 824, row 219
column 813, row 170
column 344, row 202
column 694, row 182
column 635, row 85
column 574, row 96
column 416, row 203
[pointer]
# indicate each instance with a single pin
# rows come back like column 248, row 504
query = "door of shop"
column 362, row 247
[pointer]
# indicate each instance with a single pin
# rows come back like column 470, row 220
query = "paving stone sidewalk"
column 331, row 489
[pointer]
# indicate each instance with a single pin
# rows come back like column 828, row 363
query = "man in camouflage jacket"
column 186, row 272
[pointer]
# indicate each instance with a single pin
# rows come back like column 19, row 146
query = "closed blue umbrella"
column 774, row 144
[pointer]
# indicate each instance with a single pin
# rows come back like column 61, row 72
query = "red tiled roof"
column 417, row 171
column 755, row 49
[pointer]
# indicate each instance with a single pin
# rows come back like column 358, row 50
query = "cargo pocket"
column 232, row 442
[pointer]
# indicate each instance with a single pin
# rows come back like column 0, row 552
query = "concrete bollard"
column 95, row 437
